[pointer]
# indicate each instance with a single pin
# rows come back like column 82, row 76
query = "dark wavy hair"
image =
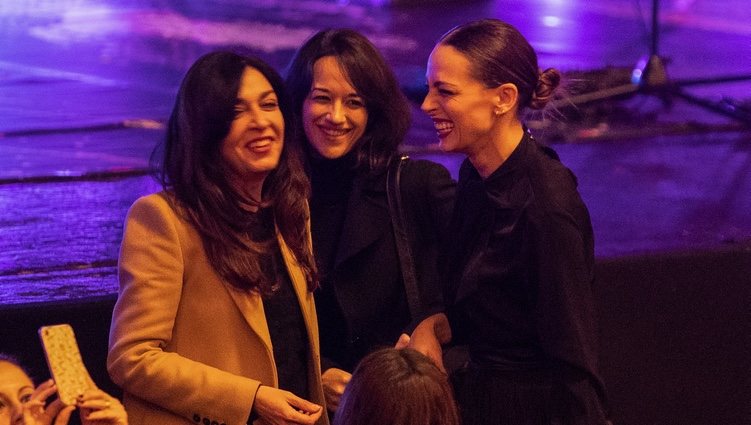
column 389, row 114
column 499, row 54
column 391, row 386
column 189, row 165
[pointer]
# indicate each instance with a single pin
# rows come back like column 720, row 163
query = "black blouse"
column 520, row 268
column 283, row 315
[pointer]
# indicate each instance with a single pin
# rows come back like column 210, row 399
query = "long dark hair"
column 391, row 386
column 388, row 109
column 190, row 166
column 500, row 54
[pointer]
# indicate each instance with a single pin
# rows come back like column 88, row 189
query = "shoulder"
column 153, row 210
column 155, row 202
column 423, row 174
column 554, row 184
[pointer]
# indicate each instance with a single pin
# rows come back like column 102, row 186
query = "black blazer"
column 366, row 276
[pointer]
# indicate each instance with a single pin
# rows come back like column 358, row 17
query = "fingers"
column 96, row 405
column 303, row 406
column 63, row 417
column 275, row 406
column 402, row 342
column 95, row 399
column 55, row 409
column 44, row 390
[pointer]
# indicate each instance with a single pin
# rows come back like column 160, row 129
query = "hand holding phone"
column 65, row 362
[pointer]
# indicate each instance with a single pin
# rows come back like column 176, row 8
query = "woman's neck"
column 491, row 155
column 251, row 190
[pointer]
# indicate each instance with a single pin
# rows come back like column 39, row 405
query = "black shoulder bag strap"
column 401, row 236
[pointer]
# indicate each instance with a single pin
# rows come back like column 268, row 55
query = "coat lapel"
column 366, row 219
column 304, row 296
column 251, row 307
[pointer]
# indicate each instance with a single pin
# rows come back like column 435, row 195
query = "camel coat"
column 186, row 347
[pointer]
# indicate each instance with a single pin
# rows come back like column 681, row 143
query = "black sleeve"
column 563, row 264
column 428, row 193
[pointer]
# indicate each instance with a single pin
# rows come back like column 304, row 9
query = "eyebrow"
column 267, row 93
column 325, row 90
column 262, row 96
column 439, row 84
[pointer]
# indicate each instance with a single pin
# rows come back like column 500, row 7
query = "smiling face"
column 461, row 107
column 334, row 115
column 15, row 389
column 253, row 146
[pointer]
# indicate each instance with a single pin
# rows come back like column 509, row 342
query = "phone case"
column 65, row 362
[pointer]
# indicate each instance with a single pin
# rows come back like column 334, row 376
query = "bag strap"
column 398, row 220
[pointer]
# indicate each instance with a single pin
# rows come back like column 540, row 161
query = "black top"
column 283, row 315
column 331, row 181
column 362, row 304
column 520, row 270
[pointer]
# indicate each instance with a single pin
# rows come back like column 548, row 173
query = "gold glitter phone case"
column 65, row 362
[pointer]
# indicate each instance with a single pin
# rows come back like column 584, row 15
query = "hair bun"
column 547, row 82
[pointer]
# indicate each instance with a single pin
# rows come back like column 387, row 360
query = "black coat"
column 369, row 307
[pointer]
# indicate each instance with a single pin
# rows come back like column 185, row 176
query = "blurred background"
column 661, row 147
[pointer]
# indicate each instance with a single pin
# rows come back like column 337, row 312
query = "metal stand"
column 650, row 77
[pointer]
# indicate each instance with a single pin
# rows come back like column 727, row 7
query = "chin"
column 332, row 152
column 446, row 146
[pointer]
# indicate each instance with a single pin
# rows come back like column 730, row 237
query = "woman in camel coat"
column 215, row 321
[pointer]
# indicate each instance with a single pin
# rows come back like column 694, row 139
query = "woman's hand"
column 334, row 382
column 428, row 337
column 98, row 407
column 36, row 413
column 279, row 407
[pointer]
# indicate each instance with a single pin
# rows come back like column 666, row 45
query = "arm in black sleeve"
column 428, row 197
column 563, row 265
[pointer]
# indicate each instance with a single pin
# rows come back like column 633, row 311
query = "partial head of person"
column 229, row 150
column 348, row 98
column 481, row 76
column 22, row 403
column 399, row 387
column 16, row 390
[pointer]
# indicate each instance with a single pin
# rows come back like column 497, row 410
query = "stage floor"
column 85, row 89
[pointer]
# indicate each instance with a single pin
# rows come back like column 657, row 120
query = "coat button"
column 214, row 423
column 196, row 418
column 206, row 421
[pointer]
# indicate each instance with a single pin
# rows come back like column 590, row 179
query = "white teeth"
column 262, row 142
column 443, row 126
column 334, row 132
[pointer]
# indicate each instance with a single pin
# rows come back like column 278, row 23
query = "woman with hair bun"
column 520, row 259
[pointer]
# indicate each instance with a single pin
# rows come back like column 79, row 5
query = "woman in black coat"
column 520, row 258
column 354, row 117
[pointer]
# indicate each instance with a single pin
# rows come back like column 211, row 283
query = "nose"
column 258, row 119
column 18, row 413
column 427, row 103
column 336, row 113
